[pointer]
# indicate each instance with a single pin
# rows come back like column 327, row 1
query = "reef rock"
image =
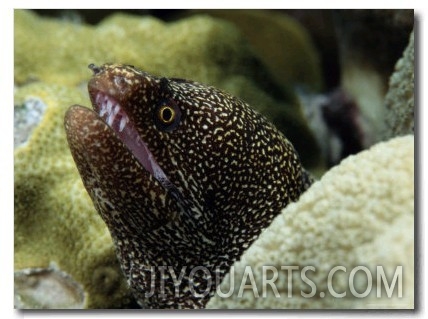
column 399, row 100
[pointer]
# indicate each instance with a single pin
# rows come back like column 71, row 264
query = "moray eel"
column 184, row 175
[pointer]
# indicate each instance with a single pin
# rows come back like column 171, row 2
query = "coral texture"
column 399, row 100
column 361, row 213
column 200, row 48
column 281, row 42
column 55, row 221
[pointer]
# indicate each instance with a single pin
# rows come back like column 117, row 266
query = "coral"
column 399, row 100
column 201, row 48
column 373, row 38
column 149, row 43
column 55, row 221
column 26, row 117
column 361, row 213
column 281, row 42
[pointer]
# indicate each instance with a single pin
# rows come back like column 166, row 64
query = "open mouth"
column 115, row 117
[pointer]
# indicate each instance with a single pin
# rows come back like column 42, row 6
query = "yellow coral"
column 199, row 48
column 361, row 213
column 55, row 221
column 399, row 100
column 284, row 45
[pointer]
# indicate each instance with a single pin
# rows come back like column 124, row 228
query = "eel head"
column 184, row 176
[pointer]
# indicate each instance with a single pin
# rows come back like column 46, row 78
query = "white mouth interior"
column 115, row 117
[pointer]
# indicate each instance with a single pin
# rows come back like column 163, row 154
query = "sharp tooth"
column 109, row 106
column 123, row 122
column 110, row 119
column 103, row 110
column 98, row 99
column 116, row 109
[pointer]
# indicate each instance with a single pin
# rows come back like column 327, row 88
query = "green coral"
column 399, row 100
column 281, row 42
column 200, row 48
column 54, row 217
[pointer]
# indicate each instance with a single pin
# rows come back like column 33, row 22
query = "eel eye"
column 167, row 115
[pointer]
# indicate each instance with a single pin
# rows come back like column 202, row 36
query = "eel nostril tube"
column 94, row 68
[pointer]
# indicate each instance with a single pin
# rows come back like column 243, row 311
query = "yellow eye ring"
column 166, row 114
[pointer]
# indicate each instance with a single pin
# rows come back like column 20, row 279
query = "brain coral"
column 200, row 48
column 55, row 222
column 361, row 213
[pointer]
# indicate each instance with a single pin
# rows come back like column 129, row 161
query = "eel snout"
column 108, row 171
column 108, row 93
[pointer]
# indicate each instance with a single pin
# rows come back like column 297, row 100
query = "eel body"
column 184, row 175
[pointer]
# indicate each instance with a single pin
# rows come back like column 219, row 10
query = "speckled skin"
column 229, row 174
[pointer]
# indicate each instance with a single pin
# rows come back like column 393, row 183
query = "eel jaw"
column 120, row 188
column 113, row 114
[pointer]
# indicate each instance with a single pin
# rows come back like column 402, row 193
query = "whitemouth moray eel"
column 184, row 175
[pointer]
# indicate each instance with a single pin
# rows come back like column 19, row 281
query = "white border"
column 6, row 140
